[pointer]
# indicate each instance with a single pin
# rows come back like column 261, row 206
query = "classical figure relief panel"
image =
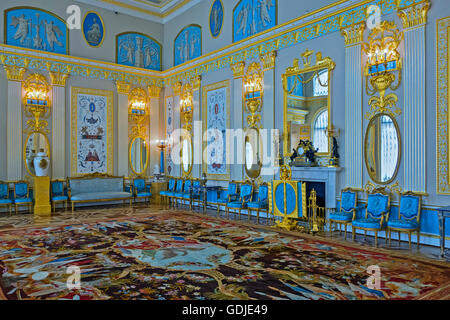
column 36, row 29
column 93, row 29
column 138, row 50
column 92, row 131
column 216, row 18
column 253, row 16
column 188, row 44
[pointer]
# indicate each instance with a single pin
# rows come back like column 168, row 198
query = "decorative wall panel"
column 216, row 18
column 92, row 131
column 169, row 131
column 138, row 50
column 188, row 44
column 253, row 16
column 93, row 29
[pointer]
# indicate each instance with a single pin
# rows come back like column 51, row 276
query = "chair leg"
column 376, row 238
column 353, row 233
column 399, row 237
column 239, row 214
column 409, row 239
column 389, row 235
column 345, row 231
column 418, row 239
column 365, row 234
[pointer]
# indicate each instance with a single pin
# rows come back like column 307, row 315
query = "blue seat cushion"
column 88, row 196
column 178, row 194
column 23, row 200
column 236, row 204
column 222, row 200
column 5, row 201
column 143, row 194
column 367, row 223
column 341, row 216
column 403, row 224
column 60, row 198
column 164, row 193
column 258, row 205
column 186, row 195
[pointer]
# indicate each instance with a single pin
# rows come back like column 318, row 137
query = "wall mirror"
column 382, row 146
column 187, row 155
column 307, row 103
column 36, row 142
column 139, row 155
column 253, row 151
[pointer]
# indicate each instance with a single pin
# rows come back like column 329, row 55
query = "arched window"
column 320, row 83
column 320, row 136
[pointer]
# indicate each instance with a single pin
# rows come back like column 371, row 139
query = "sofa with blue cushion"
column 97, row 188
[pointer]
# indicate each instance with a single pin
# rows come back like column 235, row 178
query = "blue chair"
column 22, row 195
column 170, row 188
column 245, row 196
column 178, row 189
column 231, row 195
column 349, row 199
column 378, row 202
column 141, row 189
column 5, row 199
column 196, row 194
column 261, row 203
column 185, row 195
column 408, row 220
column 58, row 193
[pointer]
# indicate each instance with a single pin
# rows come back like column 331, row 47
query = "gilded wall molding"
column 268, row 60
column 123, row 87
column 413, row 15
column 442, row 105
column 196, row 82
column 238, row 69
column 58, row 78
column 177, row 88
column 354, row 34
column 154, row 91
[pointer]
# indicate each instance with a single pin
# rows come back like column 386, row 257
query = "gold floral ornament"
column 383, row 63
column 253, row 90
column 285, row 172
column 37, row 102
column 138, row 111
column 187, row 106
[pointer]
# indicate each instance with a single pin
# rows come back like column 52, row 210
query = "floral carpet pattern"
column 177, row 255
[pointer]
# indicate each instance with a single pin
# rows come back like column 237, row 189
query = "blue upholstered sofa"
column 97, row 188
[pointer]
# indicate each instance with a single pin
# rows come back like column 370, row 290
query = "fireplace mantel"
column 320, row 174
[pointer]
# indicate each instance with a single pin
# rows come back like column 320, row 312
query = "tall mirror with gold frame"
column 307, row 108
column 139, row 155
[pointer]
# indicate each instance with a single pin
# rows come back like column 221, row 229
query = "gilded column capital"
column 268, row 60
column 177, row 88
column 238, row 69
column 196, row 82
column 123, row 87
column 154, row 91
column 15, row 73
column 353, row 34
column 58, row 78
column 413, row 15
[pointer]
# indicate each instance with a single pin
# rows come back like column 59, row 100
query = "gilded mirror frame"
column 260, row 152
column 191, row 157
column 49, row 151
column 321, row 63
column 399, row 158
column 147, row 159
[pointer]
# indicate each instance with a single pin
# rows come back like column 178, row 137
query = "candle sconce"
column 186, row 108
column 138, row 110
column 253, row 91
column 383, row 63
column 37, row 102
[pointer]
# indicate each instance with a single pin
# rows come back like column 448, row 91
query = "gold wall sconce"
column 37, row 101
column 187, row 106
column 253, row 94
column 138, row 110
column 382, row 66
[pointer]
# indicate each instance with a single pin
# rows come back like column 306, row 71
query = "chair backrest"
column 349, row 198
column 187, row 185
column 377, row 204
column 57, row 187
column 410, row 204
column 263, row 192
column 4, row 190
column 196, row 186
column 232, row 188
column 179, row 187
column 21, row 189
column 171, row 184
column 139, row 184
column 246, row 191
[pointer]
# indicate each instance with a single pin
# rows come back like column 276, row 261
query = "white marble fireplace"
column 320, row 174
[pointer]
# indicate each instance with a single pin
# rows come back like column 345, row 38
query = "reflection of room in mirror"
column 139, row 155
column 36, row 141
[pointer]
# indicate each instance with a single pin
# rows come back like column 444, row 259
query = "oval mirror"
column 36, row 144
column 187, row 155
column 139, row 155
column 382, row 148
column 253, row 153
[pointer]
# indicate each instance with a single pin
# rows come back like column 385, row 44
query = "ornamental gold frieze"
column 414, row 15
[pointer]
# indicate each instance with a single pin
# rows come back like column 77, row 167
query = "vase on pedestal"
column 41, row 164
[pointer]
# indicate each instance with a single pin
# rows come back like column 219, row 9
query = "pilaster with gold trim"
column 353, row 37
column 156, row 126
column 197, row 132
column 414, row 19
column 123, row 89
column 237, row 170
column 176, row 87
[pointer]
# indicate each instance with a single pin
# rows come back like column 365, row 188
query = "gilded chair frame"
column 182, row 199
column 345, row 223
column 173, row 198
column 55, row 202
column 134, row 190
column 241, row 200
column 409, row 231
column 382, row 219
column 9, row 205
column 28, row 204
column 228, row 196
column 260, row 209
column 191, row 196
column 165, row 198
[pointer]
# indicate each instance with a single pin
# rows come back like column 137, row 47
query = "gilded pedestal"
column 41, row 192
column 156, row 188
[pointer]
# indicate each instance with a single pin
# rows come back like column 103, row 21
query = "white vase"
column 41, row 164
